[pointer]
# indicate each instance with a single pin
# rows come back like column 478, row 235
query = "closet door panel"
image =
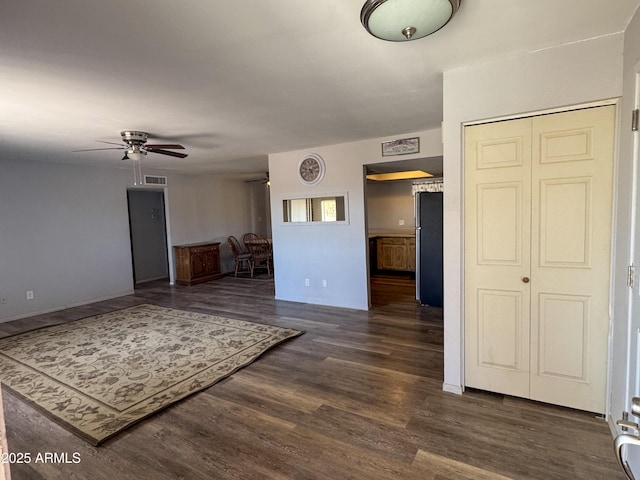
column 497, row 233
column 572, row 172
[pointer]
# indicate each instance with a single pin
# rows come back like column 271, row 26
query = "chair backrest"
column 249, row 237
column 260, row 248
column 236, row 246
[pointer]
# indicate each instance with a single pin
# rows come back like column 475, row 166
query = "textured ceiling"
column 236, row 80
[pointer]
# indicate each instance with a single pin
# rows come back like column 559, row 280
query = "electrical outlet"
column 29, row 294
column 324, row 283
column 401, row 222
column 306, row 282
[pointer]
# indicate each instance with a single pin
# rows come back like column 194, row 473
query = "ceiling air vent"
column 155, row 180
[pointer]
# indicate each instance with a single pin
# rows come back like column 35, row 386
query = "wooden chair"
column 261, row 254
column 241, row 255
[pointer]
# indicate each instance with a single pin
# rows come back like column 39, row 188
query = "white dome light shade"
column 135, row 153
column 402, row 20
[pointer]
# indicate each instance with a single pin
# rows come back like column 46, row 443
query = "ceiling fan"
column 264, row 180
column 135, row 146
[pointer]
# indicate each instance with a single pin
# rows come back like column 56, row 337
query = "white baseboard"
column 457, row 389
column 63, row 307
column 612, row 426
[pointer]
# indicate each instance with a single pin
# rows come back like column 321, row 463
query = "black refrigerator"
column 429, row 244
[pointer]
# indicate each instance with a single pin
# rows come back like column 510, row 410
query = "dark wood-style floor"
column 358, row 396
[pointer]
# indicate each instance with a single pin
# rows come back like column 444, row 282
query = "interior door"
column 571, row 251
column 538, row 232
column 147, row 226
column 497, row 233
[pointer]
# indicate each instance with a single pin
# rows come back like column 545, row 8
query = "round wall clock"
column 311, row 169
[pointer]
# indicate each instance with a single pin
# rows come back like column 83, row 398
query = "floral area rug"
column 99, row 375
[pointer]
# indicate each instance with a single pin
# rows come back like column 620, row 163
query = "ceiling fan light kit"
column 135, row 141
column 134, row 152
column 403, row 20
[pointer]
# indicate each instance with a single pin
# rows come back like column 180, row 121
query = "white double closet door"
column 538, row 206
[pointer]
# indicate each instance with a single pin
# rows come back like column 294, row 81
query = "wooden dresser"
column 197, row 263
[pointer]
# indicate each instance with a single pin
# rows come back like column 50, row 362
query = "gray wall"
column 63, row 235
column 64, row 230
column 209, row 208
column 388, row 203
column 260, row 212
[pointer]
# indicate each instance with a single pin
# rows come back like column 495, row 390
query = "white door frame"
column 630, row 323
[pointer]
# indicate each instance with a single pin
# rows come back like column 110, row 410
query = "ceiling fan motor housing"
column 134, row 138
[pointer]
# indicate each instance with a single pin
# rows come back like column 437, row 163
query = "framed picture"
column 403, row 146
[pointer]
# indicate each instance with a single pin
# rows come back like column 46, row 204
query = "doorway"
column 148, row 231
column 390, row 219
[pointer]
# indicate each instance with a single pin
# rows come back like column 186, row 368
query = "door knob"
column 525, row 279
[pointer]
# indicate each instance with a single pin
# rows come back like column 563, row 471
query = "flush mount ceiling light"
column 402, row 20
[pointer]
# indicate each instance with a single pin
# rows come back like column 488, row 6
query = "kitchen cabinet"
column 396, row 253
column 197, row 263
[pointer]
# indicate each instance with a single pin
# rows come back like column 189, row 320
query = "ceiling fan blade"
column 110, row 143
column 167, row 152
column 264, row 179
column 172, row 146
column 94, row 149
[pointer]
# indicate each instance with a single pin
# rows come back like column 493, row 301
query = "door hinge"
column 631, row 272
column 635, row 116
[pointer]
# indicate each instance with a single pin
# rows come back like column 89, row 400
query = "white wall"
column 556, row 77
column 64, row 230
column 335, row 253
